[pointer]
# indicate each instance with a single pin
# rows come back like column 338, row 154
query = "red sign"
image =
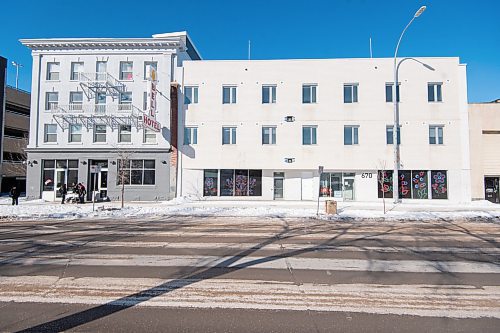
column 151, row 123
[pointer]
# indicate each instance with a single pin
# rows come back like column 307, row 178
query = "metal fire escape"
column 94, row 83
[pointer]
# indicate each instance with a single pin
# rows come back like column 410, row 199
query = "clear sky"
column 220, row 29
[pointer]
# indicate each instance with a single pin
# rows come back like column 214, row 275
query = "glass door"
column 348, row 186
column 279, row 180
column 60, row 180
column 103, row 184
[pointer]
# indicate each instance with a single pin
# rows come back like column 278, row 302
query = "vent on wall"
column 289, row 160
column 289, row 119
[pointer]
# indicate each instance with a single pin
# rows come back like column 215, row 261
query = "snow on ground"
column 39, row 209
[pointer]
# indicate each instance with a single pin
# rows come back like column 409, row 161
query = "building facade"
column 101, row 113
column 261, row 130
column 484, row 122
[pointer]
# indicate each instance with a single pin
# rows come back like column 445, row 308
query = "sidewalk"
column 38, row 209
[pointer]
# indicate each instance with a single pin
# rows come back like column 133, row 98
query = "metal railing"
column 98, row 109
column 99, row 79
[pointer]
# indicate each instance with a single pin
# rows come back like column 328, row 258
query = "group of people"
column 79, row 189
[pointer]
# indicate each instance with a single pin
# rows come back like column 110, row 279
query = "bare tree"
column 381, row 177
column 124, row 170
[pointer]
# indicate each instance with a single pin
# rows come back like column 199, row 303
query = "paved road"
column 210, row 274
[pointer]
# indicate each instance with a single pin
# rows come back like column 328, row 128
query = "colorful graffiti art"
column 419, row 185
column 241, row 183
column 405, row 184
column 439, row 185
column 385, row 183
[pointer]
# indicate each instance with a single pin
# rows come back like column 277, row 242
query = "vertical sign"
column 149, row 119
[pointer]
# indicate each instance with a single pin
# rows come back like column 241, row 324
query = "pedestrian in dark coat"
column 81, row 193
column 14, row 193
column 63, row 190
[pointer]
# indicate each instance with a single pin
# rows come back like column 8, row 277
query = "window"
column 351, row 135
column 76, row 69
column 228, row 135
column 191, row 95
column 125, row 101
column 125, row 133
column 309, row 135
column 434, row 92
column 126, row 70
column 389, row 92
column 269, row 135
column 439, row 184
column 228, row 95
column 100, row 101
column 66, row 170
column 75, row 100
column 435, row 135
column 50, row 133
column 99, row 133
column 145, row 101
column 389, row 130
column 235, row 183
column 309, row 93
column 351, row 93
column 51, row 100
column 149, row 136
column 190, row 135
column 101, row 66
column 53, row 71
column 75, row 133
column 331, row 184
column 210, row 181
column 148, row 65
column 136, row 172
column 268, row 94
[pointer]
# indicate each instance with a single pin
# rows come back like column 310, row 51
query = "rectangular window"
column 309, row 93
column 405, row 184
column 255, row 183
column 439, row 184
column 351, row 135
column 75, row 100
column 228, row 95
column 210, row 182
column 99, row 133
column 269, row 135
column 384, row 180
column 136, row 172
column 76, row 69
column 145, row 101
column 190, row 135
column 389, row 92
column 434, row 92
column 389, row 130
column 125, row 101
column 126, row 70
column 148, row 65
column 436, row 135
column 50, row 133
column 191, row 95
column 226, row 183
column 228, row 135
column 351, row 93
column 125, row 133
column 75, row 133
column 309, row 135
column 419, row 184
column 149, row 136
column 48, row 174
column 241, row 183
column 53, row 71
column 51, row 101
column 268, row 94
column 101, row 66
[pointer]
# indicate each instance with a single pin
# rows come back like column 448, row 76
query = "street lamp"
column 395, row 175
column 17, row 65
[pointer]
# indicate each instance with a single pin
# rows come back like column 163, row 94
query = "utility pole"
column 17, row 65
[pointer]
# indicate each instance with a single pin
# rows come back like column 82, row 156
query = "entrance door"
column 279, row 180
column 60, row 180
column 98, row 181
column 491, row 188
column 348, row 186
column 103, row 184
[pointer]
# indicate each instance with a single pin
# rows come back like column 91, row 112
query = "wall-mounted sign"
column 152, row 92
column 151, row 123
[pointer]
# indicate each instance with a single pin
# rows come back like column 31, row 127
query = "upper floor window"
column 148, row 66
column 75, row 133
column 228, row 95
column 101, row 66
column 99, row 133
column 190, row 135
column 125, row 133
column 269, row 135
column 51, row 100
column 75, row 100
column 389, row 131
column 228, row 135
column 126, row 70
column 434, row 92
column 268, row 94
column 389, row 92
column 309, row 93
column 309, row 135
column 436, row 134
column 351, row 93
column 125, row 101
column 149, row 136
column 53, row 71
column 191, row 95
column 76, row 69
column 351, row 135
column 50, row 133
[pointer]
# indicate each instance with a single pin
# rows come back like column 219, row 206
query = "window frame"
column 232, row 135
column 149, row 133
column 437, row 92
column 53, row 75
column 123, row 133
column 75, row 105
column 75, row 74
column 190, row 135
column 131, row 167
column 354, row 93
column 126, row 75
column 354, row 135
column 192, row 96
column 96, row 134
column 271, row 135
column 390, row 128
column 72, row 133
column 232, row 94
column 388, row 97
column 271, row 93
column 147, row 65
column 312, row 88
column 51, row 105
column 49, row 136
column 313, row 135
column 434, row 131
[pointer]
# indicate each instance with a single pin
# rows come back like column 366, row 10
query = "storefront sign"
column 151, row 123
column 152, row 93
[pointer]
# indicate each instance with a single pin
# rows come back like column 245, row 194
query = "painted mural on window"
column 226, row 183
column 210, row 181
column 420, row 186
column 385, row 183
column 241, row 183
column 405, row 184
column 255, row 183
column 439, row 184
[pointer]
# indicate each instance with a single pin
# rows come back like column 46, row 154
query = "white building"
column 93, row 105
column 260, row 129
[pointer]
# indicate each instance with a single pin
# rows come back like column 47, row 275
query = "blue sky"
column 221, row 29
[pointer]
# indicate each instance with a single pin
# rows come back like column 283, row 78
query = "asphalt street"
column 195, row 274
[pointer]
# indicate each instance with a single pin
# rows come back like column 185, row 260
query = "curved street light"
column 395, row 175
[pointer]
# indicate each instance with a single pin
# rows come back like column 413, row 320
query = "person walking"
column 63, row 190
column 14, row 193
column 81, row 193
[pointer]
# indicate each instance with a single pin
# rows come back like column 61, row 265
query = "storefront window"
column 420, row 186
column 210, row 181
column 255, row 183
column 439, row 184
column 136, row 172
column 232, row 182
column 226, row 183
column 405, row 184
column 385, row 183
column 241, row 183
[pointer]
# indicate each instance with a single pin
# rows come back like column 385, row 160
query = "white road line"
column 454, row 301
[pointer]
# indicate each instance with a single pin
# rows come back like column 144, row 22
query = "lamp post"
column 395, row 175
column 17, row 65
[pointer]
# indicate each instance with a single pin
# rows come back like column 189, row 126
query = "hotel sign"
column 149, row 119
